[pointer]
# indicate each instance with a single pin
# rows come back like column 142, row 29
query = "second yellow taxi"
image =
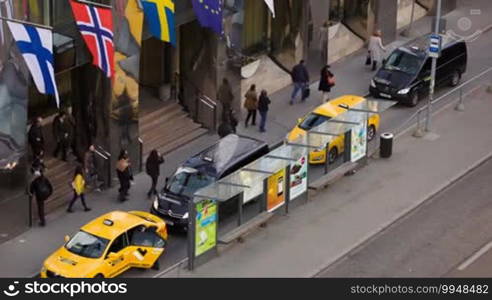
column 323, row 113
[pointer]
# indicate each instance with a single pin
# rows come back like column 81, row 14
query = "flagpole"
column 94, row 3
column 27, row 23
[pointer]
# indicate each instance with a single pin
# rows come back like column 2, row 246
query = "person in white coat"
column 376, row 49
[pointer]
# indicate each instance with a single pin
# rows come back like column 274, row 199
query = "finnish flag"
column 36, row 46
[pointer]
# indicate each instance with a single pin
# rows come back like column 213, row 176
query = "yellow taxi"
column 110, row 245
column 323, row 113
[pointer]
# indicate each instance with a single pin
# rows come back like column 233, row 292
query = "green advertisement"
column 206, row 226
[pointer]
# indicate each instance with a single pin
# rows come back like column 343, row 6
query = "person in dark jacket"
column 300, row 77
column 326, row 82
column 125, row 175
column 61, row 133
column 152, row 167
column 38, row 164
column 90, row 169
column 36, row 138
column 42, row 189
column 225, row 97
column 263, row 104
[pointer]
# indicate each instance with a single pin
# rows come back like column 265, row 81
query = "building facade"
column 149, row 74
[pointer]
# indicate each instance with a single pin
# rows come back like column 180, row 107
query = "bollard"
column 418, row 133
column 460, row 106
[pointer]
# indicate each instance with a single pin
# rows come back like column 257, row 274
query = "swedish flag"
column 159, row 15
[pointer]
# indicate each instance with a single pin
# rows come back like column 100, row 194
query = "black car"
column 406, row 73
column 228, row 155
column 10, row 153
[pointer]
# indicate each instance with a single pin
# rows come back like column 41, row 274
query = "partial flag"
column 159, row 15
column 271, row 6
column 96, row 26
column 36, row 46
column 209, row 14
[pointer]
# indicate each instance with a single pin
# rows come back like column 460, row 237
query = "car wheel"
column 371, row 132
column 414, row 99
column 332, row 155
column 99, row 276
column 455, row 79
column 156, row 266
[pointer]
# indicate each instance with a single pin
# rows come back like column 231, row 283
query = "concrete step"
column 183, row 140
column 181, row 130
column 164, row 127
column 166, row 108
column 161, row 116
column 168, row 131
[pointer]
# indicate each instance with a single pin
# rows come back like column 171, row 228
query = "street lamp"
column 433, row 71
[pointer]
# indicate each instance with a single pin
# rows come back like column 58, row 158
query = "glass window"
column 255, row 26
column 118, row 244
column 356, row 16
column 187, row 182
column 87, row 245
column 336, row 11
column 146, row 237
column 312, row 120
column 403, row 62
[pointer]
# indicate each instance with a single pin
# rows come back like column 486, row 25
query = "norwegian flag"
column 96, row 26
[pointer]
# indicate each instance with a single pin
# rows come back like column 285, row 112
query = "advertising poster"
column 358, row 142
column 205, row 226
column 276, row 190
column 298, row 178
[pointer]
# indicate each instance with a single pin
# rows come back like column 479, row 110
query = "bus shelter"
column 274, row 181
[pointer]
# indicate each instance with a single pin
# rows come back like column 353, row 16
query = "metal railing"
column 140, row 153
column 202, row 109
column 418, row 114
column 106, row 156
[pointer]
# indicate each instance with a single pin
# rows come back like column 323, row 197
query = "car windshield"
column 312, row 120
column 187, row 183
column 403, row 62
column 87, row 245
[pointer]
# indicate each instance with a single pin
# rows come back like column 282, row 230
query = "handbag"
column 368, row 58
column 331, row 80
column 306, row 92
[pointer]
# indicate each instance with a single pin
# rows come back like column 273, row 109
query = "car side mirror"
column 67, row 238
column 112, row 255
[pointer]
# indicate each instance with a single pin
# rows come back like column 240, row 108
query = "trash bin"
column 386, row 145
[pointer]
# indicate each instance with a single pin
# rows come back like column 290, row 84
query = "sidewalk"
column 349, row 212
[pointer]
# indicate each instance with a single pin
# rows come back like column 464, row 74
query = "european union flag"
column 209, row 14
column 159, row 15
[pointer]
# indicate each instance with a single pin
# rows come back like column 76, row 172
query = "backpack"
column 44, row 189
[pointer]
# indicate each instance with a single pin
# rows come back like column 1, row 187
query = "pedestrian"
column 61, row 133
column 225, row 128
column 36, row 138
column 251, row 104
column 125, row 175
column 225, row 97
column 78, row 185
column 376, row 48
column 326, row 82
column 152, row 167
column 42, row 189
column 323, row 41
column 233, row 120
column 263, row 104
column 300, row 78
column 90, row 169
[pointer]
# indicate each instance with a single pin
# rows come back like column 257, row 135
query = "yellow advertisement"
column 276, row 190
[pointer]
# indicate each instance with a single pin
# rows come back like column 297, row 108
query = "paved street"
column 434, row 239
column 345, row 200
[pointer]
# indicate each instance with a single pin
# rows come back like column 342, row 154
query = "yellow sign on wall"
column 276, row 190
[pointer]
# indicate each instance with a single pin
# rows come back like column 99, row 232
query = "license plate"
column 385, row 95
column 170, row 223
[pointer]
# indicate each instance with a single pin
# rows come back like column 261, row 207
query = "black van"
column 228, row 155
column 405, row 74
